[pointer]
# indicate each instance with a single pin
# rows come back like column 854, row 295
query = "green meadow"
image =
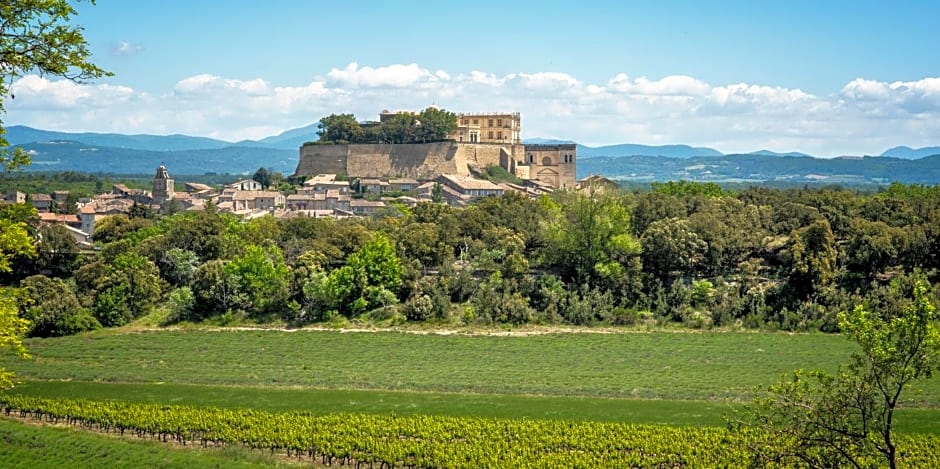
column 676, row 378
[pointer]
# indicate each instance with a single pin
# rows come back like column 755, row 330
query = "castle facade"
column 480, row 141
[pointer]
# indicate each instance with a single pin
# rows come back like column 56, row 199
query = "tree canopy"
column 36, row 37
column 430, row 125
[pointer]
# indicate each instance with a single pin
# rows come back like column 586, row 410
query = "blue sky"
column 827, row 78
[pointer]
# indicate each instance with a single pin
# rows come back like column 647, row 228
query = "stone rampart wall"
column 418, row 160
column 322, row 159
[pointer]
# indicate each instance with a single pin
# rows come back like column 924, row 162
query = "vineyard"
column 420, row 441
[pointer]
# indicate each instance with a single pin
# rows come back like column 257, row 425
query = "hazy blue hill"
column 631, row 149
column 79, row 156
column 749, row 168
column 546, row 141
column 773, row 153
column 20, row 135
column 292, row 139
column 909, row 153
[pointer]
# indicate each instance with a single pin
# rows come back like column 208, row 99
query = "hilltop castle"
column 480, row 141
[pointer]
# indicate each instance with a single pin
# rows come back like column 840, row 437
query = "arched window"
column 547, row 161
column 531, row 158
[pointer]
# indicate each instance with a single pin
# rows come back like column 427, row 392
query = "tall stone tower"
column 162, row 186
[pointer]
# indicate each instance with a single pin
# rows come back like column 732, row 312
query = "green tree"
column 215, row 291
column 589, row 238
column 400, row 128
column 370, row 279
column 36, row 37
column 131, row 285
column 435, row 124
column 671, row 247
column 812, row 255
column 57, row 251
column 823, row 420
column 14, row 241
column 262, row 278
column 339, row 128
column 262, row 176
column 12, row 329
column 53, row 308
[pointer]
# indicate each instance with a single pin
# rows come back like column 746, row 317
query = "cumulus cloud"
column 864, row 117
column 125, row 48
column 393, row 76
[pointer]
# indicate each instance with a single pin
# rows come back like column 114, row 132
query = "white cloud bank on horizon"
column 864, row 117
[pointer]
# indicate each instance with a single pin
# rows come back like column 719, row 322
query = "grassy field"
column 663, row 365
column 657, row 377
column 32, row 446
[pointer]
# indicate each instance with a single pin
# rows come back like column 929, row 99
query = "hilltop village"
column 349, row 179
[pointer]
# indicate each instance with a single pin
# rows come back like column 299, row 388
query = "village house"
column 470, row 187
column 245, row 185
column 256, row 200
column 15, row 197
column 42, row 202
column 322, row 183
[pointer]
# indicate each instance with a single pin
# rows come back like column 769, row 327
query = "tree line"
column 681, row 253
column 430, row 125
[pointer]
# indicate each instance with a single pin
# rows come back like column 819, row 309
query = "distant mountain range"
column 909, row 153
column 289, row 140
column 141, row 154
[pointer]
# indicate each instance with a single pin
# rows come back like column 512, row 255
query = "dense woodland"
column 681, row 253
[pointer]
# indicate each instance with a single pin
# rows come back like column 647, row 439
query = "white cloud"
column 394, row 76
column 865, row 116
column 125, row 48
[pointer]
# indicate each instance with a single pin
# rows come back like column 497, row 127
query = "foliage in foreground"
column 425, row 441
column 824, row 420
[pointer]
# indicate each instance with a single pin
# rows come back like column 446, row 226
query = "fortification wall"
column 490, row 154
column 423, row 161
column 322, row 159
column 417, row 160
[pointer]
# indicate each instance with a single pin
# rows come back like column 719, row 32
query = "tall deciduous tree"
column 14, row 241
column 36, row 37
column 436, row 124
column 339, row 128
column 589, row 239
column 822, row 420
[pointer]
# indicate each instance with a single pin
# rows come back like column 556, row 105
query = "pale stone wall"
column 322, row 159
column 552, row 164
column 417, row 160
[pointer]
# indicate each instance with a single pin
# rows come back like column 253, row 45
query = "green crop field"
column 660, row 365
column 678, row 379
column 32, row 446
column 641, row 377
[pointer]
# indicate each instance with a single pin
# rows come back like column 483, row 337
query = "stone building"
column 482, row 140
column 550, row 164
column 498, row 127
column 163, row 187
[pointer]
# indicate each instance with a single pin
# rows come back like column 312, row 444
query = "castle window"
column 499, row 122
column 531, row 158
column 489, row 135
column 464, row 122
column 489, row 122
column 547, row 161
column 475, row 122
column 499, row 135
